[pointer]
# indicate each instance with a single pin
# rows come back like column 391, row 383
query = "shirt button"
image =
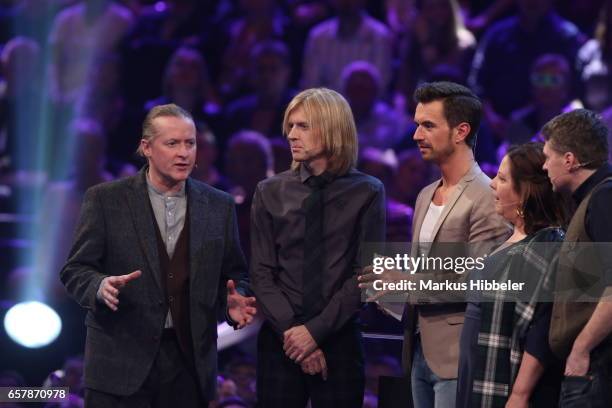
column 171, row 298
column 170, row 276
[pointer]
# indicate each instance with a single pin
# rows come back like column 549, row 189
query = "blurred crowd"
column 77, row 78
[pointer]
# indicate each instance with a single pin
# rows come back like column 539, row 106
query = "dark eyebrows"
column 426, row 123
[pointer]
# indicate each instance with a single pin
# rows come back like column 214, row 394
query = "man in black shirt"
column 309, row 226
column 576, row 153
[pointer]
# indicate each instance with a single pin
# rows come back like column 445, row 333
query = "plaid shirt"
column 506, row 319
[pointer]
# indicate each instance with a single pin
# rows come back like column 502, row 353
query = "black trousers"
column 594, row 390
column 172, row 382
column 282, row 384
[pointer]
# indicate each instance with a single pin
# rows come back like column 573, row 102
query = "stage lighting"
column 32, row 324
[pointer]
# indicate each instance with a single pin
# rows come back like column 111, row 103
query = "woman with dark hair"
column 504, row 350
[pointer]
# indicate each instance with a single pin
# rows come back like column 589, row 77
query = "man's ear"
column 462, row 131
column 145, row 146
column 569, row 160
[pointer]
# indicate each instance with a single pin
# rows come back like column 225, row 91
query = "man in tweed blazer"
column 152, row 260
column 458, row 208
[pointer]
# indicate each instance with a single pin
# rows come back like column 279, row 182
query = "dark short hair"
column 460, row 104
column 541, row 206
column 581, row 132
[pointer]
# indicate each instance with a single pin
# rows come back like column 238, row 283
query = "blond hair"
column 149, row 132
column 331, row 119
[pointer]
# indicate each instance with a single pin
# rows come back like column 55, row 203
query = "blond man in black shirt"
column 309, row 228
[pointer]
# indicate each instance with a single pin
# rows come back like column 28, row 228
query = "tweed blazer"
column 115, row 236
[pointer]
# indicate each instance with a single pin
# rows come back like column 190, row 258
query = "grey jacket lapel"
column 140, row 207
column 423, row 205
column 469, row 176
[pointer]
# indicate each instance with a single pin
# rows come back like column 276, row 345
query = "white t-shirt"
column 427, row 229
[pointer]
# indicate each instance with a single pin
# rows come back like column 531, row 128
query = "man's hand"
column 109, row 289
column 315, row 363
column 298, row 343
column 240, row 308
column 577, row 364
column 367, row 278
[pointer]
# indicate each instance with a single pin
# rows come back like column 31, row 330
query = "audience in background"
column 242, row 372
column 259, row 21
column 383, row 166
column 206, row 157
column 351, row 36
column 248, row 161
column 63, row 199
column 78, row 34
column 597, row 94
column 269, row 71
column 187, row 84
column 103, row 100
column 413, row 173
column 378, row 124
column 159, row 30
column 20, row 63
column 505, row 54
column 436, row 36
column 235, row 64
column 551, row 82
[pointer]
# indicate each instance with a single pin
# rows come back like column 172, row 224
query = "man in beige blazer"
column 457, row 208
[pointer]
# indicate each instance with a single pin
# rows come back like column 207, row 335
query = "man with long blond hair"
column 309, row 226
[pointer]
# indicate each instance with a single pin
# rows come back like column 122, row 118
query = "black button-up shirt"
column 354, row 214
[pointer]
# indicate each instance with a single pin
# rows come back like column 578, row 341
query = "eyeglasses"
column 541, row 80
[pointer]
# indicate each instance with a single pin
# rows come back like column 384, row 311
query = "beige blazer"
column 469, row 216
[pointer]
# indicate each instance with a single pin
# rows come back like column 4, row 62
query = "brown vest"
column 573, row 282
column 175, row 278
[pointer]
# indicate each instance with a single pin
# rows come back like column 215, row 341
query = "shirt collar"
column 590, row 183
column 178, row 194
column 305, row 173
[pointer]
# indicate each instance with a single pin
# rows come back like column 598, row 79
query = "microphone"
column 579, row 165
column 572, row 169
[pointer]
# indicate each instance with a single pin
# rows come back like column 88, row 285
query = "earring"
column 520, row 212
